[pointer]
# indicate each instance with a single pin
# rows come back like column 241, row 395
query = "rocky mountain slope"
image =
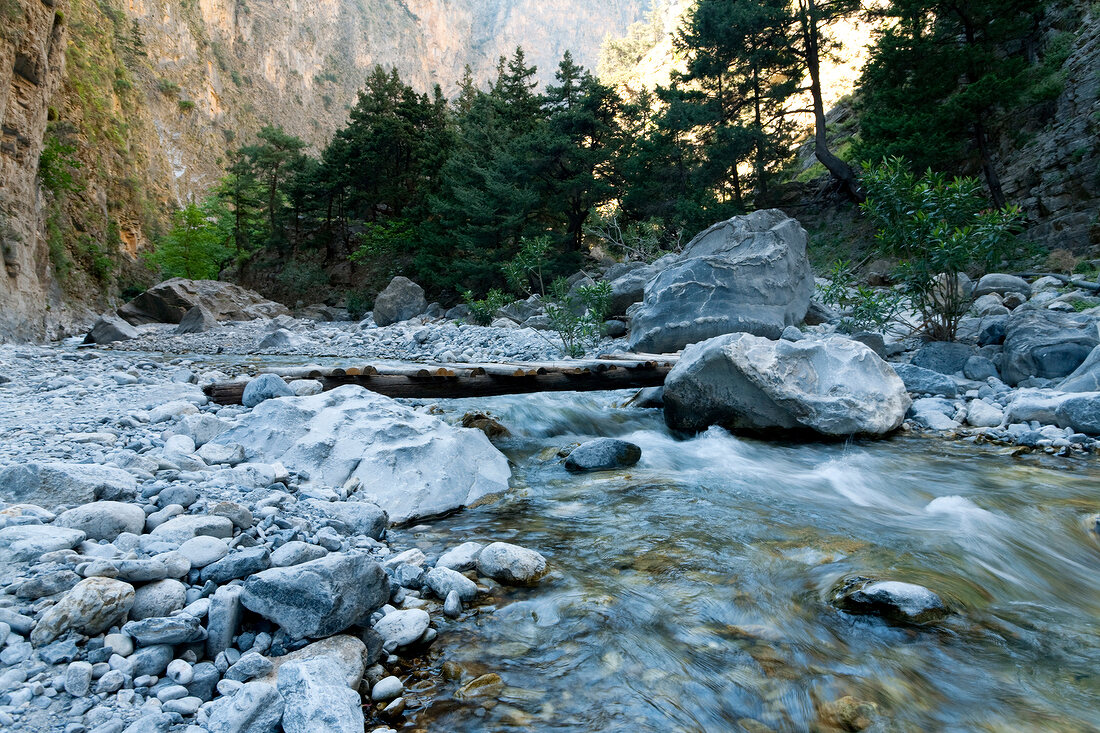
column 138, row 102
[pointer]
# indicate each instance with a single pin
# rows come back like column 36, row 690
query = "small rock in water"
column 387, row 689
column 511, row 564
column 603, row 454
column 463, row 557
column 402, row 628
column 452, row 607
column 485, row 686
column 890, row 599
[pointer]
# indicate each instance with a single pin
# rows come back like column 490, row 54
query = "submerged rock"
column 833, row 386
column 892, row 600
column 511, row 564
column 603, row 454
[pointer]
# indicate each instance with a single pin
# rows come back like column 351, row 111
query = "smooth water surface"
column 690, row 593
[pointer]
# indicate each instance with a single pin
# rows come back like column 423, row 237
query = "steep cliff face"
column 1051, row 160
column 136, row 103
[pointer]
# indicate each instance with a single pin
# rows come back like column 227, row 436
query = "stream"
column 690, row 592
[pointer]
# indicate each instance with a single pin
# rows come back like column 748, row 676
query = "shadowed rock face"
column 833, row 386
column 749, row 274
column 172, row 299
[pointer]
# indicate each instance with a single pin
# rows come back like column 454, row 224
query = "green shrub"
column 524, row 272
column 186, row 105
column 863, row 308
column 939, row 229
column 578, row 315
column 482, row 311
column 304, row 279
column 168, row 88
column 193, row 248
column 57, row 166
column 358, row 303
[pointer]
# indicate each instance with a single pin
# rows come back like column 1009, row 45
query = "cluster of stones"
column 158, row 575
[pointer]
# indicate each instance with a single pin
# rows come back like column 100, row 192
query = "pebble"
column 386, row 689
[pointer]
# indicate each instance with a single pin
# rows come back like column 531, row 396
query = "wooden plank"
column 438, row 386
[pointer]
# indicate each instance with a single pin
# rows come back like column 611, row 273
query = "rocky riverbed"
column 169, row 564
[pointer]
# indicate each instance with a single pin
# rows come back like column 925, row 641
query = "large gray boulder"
column 169, row 301
column 257, row 707
column 53, row 484
column 1077, row 410
column 1085, row 378
column 110, row 328
column 27, row 542
column 628, row 288
column 90, row 607
column 748, row 274
column 1047, row 344
column 318, row 598
column 408, row 463
column 401, row 300
column 833, row 386
column 945, row 357
column 197, row 320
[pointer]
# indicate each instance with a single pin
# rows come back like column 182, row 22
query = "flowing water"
column 690, row 592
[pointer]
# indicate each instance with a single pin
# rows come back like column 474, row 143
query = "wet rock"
column 444, row 580
column 158, row 599
column 892, row 600
column 104, row 520
column 511, row 564
column 170, row 300
column 401, row 628
column 197, row 319
column 320, row 597
column 1042, row 343
column 452, row 606
column 91, row 607
column 22, row 543
column 833, row 386
column 748, row 274
column 603, row 454
column 408, row 463
column 54, row 484
column 487, row 686
column 486, row 424
column 401, row 300
column 387, row 688
column 919, row 380
column 463, row 557
column 256, row 707
column 264, row 387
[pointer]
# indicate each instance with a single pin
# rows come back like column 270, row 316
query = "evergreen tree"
column 570, row 156
column 937, row 74
column 273, row 161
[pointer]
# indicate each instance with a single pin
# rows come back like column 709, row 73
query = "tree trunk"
column 761, row 174
column 840, row 170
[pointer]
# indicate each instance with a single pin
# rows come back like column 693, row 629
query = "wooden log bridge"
column 447, row 381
